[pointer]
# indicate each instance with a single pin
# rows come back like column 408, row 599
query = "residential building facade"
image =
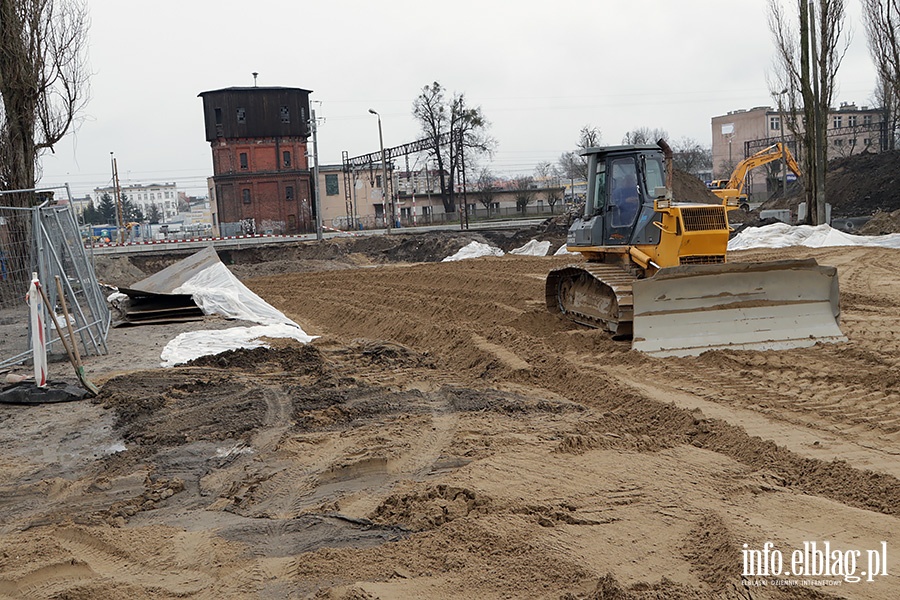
column 261, row 177
column 353, row 200
column 144, row 196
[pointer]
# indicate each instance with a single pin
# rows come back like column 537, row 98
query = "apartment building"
column 163, row 195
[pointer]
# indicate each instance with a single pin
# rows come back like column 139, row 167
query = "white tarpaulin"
column 781, row 235
column 194, row 344
column 474, row 250
column 216, row 291
column 532, row 248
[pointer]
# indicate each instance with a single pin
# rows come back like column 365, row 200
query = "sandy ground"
column 447, row 437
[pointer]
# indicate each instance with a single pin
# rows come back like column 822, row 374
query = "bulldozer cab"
column 619, row 207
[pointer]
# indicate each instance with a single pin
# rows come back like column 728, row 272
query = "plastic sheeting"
column 532, row 248
column 563, row 250
column 781, row 235
column 194, row 344
column 216, row 291
column 474, row 250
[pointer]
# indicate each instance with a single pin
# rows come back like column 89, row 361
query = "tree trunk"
column 809, row 114
column 18, row 89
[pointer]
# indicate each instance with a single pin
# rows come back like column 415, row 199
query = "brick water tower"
column 261, row 179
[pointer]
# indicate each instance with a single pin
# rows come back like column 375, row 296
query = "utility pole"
column 120, row 217
column 388, row 206
column 462, row 164
column 317, row 203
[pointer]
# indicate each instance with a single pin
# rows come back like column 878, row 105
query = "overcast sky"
column 539, row 70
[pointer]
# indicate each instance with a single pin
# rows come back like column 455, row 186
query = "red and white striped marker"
column 38, row 343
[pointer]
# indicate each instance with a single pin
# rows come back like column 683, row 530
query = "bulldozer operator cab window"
column 654, row 173
column 626, row 196
column 599, row 192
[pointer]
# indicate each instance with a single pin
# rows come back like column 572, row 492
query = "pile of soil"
column 688, row 188
column 337, row 253
column 856, row 186
column 864, row 184
column 881, row 223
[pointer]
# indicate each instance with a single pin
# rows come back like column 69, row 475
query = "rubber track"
column 612, row 276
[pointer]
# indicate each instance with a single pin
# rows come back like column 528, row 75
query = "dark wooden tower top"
column 256, row 112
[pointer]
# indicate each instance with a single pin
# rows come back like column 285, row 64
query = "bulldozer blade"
column 687, row 310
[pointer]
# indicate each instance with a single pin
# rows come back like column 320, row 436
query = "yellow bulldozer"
column 655, row 269
column 733, row 187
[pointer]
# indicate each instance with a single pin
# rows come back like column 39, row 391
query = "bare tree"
column 430, row 109
column 882, row 20
column 547, row 173
column 554, row 195
column 524, row 192
column 486, row 188
column 457, row 131
column 574, row 166
column 888, row 99
column 690, row 156
column 645, row 135
column 549, row 176
column 804, row 82
column 43, row 83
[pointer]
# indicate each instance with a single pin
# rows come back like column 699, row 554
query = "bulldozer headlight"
column 662, row 204
column 731, row 201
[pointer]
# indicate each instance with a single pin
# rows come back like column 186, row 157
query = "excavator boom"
column 734, row 186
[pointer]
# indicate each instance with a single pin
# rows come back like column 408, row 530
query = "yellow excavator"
column 734, row 187
column 656, row 270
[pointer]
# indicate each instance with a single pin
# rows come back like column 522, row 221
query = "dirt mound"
column 430, row 508
column 608, row 588
column 856, row 186
column 881, row 223
column 184, row 406
column 298, row 359
column 863, row 184
column 337, row 253
column 688, row 188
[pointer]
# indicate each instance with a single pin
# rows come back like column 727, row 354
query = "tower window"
column 285, row 114
column 289, row 192
column 241, row 115
column 286, row 156
column 245, row 194
column 218, row 116
column 243, row 159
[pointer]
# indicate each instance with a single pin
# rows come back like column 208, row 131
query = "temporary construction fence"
column 45, row 239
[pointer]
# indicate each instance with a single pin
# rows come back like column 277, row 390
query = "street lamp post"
column 317, row 198
column 388, row 205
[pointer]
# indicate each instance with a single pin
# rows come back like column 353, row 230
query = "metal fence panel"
column 46, row 240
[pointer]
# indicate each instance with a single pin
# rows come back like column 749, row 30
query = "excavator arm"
column 763, row 157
